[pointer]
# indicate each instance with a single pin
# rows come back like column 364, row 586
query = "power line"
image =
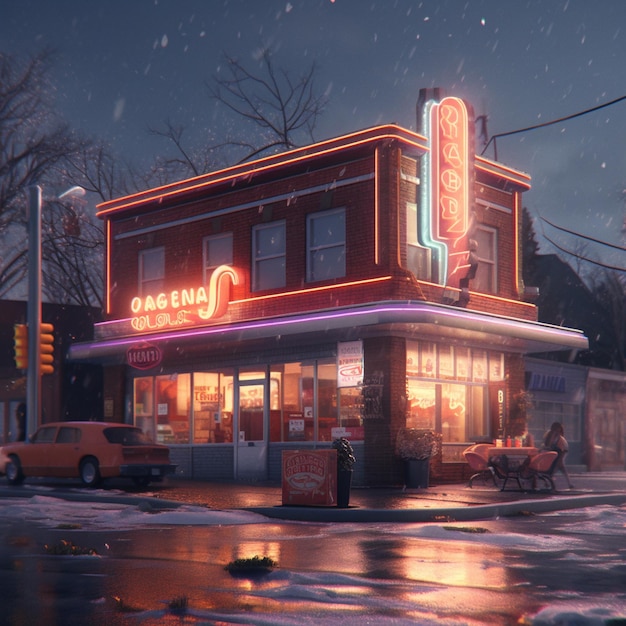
column 572, row 232
column 583, row 258
column 544, row 124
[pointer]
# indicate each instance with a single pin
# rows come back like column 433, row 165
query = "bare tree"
column 270, row 111
column 609, row 290
column 32, row 141
column 282, row 108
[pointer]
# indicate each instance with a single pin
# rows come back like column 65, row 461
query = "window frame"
column 312, row 250
column 207, row 266
column 258, row 258
column 488, row 266
column 144, row 283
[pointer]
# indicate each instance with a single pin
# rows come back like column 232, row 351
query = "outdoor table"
column 515, row 460
column 511, row 451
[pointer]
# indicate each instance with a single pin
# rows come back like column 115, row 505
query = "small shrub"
column 251, row 564
column 68, row 548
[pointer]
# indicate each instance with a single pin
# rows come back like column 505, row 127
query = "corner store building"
column 352, row 287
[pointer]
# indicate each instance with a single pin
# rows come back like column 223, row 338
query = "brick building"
column 352, row 287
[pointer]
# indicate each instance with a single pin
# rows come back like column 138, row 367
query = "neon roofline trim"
column 389, row 131
column 367, row 315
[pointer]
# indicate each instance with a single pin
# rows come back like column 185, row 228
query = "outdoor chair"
column 479, row 464
column 539, row 470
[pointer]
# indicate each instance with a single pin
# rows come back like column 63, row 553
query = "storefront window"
column 422, row 404
column 143, row 403
column 310, row 405
column 453, row 412
column 459, row 409
column 213, row 407
column 173, row 402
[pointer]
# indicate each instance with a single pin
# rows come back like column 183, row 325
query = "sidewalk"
column 455, row 502
column 438, row 503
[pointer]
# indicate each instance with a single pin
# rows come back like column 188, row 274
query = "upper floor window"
column 326, row 245
column 268, row 256
column 487, row 240
column 151, row 270
column 216, row 250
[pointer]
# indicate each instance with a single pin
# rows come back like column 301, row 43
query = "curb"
column 436, row 514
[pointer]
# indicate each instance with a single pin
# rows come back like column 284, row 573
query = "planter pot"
column 344, row 481
column 416, row 473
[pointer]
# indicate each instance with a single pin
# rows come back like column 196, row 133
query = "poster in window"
column 496, row 367
column 349, row 363
column 462, row 363
column 412, row 358
column 428, row 360
column 479, row 366
column 446, row 362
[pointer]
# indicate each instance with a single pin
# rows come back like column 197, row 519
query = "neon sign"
column 446, row 194
column 185, row 306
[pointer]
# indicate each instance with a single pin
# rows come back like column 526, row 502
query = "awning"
column 419, row 320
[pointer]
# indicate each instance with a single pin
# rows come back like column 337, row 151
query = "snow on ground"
column 576, row 609
column 52, row 512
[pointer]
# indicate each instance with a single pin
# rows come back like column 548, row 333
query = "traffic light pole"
column 33, row 377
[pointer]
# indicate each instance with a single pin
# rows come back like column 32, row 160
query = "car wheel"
column 14, row 471
column 90, row 471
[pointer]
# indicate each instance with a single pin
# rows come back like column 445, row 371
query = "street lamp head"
column 73, row 192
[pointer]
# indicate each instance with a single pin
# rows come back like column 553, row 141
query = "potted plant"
column 416, row 447
column 345, row 461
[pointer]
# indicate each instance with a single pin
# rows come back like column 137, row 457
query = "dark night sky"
column 127, row 64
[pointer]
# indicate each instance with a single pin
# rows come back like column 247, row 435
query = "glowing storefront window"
column 213, row 407
column 453, row 412
column 447, row 391
column 173, row 408
column 422, row 405
column 143, row 403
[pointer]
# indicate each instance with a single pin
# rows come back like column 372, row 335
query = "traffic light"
column 20, row 337
column 46, row 348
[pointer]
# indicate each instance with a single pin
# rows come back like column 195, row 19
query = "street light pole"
column 33, row 376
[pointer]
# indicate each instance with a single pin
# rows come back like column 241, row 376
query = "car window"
column 45, row 434
column 126, row 436
column 68, row 435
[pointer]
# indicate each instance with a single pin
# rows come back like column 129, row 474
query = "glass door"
column 251, row 457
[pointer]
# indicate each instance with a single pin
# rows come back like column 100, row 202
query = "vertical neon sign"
column 447, row 172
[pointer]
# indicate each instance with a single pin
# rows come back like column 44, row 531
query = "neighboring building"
column 352, row 287
column 558, row 392
column 72, row 391
column 606, row 420
column 591, row 405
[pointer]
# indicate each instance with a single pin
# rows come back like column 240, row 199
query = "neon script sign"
column 447, row 172
column 185, row 306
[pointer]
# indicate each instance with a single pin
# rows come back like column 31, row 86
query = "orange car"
column 90, row 451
